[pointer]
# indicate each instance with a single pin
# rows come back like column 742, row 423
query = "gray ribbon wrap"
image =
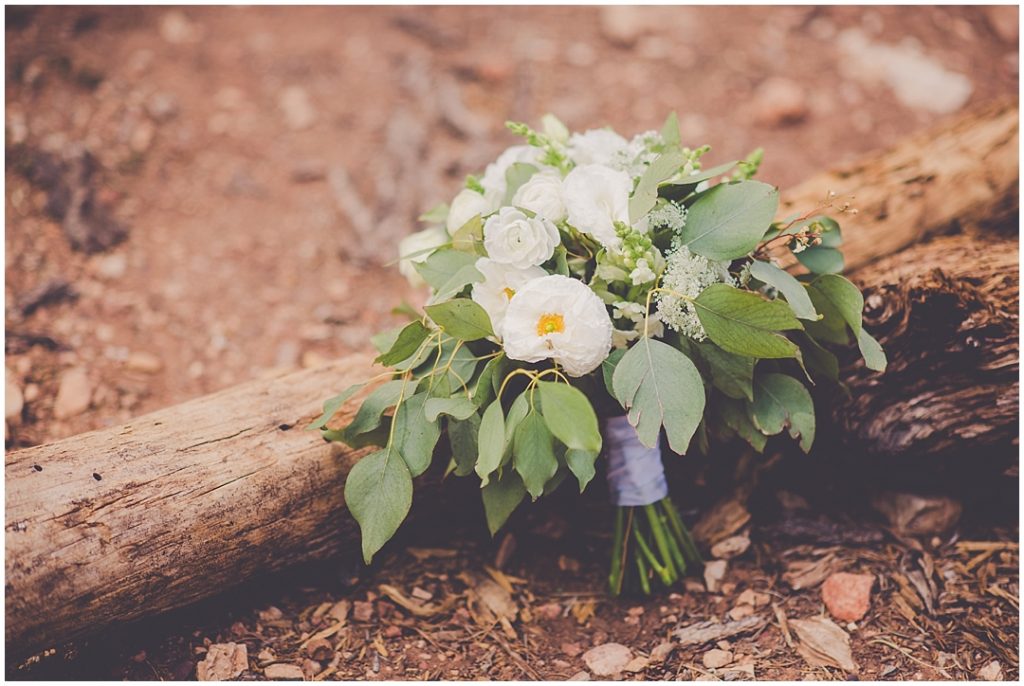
column 636, row 475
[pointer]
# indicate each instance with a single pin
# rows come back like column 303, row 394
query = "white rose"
column 512, row 238
column 595, row 198
column 598, row 146
column 542, row 194
column 558, row 318
column 500, row 284
column 466, row 205
column 417, row 247
column 493, row 179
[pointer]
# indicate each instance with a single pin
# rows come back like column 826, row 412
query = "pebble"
column 716, row 658
column 112, row 266
column 714, row 572
column 32, row 392
column 637, row 664
column 780, row 101
column 622, row 24
column 308, row 171
column 741, row 611
column 580, row 676
column 73, row 394
column 847, row 596
column 608, row 659
column 175, row 28
column 661, row 651
column 730, row 547
column 223, row 661
column 283, row 671
column 549, row 611
column 144, row 362
column 993, row 671
column 362, row 611
column 298, row 109
column 162, row 107
column 571, row 649
column 752, row 597
column 14, row 400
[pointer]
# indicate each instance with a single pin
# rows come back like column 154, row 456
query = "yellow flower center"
column 508, row 292
column 550, row 323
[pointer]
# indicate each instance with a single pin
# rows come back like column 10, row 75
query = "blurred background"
column 197, row 196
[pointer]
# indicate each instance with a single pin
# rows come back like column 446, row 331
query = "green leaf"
column 608, row 368
column 570, row 416
column 516, row 175
column 844, row 296
column 435, row 215
column 732, row 374
column 561, row 261
column 821, row 260
column 462, row 436
column 334, row 404
column 370, row 413
column 501, row 497
column 831, row 328
column 383, row 340
column 461, row 318
column 459, row 280
column 733, row 414
column 414, row 435
column 670, row 130
column 729, row 220
column 484, row 389
column 581, row 464
column 660, row 386
column 818, row 358
column 437, row 269
column 781, row 401
column 874, row 356
column 683, row 187
column 519, row 409
column 378, row 493
column 469, row 236
column 794, row 291
column 665, row 166
column 744, row 323
column 461, row 364
column 407, row 343
column 534, row 454
column 459, row 407
column 491, row 441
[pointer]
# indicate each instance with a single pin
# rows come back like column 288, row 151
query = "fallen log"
column 178, row 505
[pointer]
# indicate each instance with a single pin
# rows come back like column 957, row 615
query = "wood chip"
column 721, row 522
column 801, row 574
column 780, row 615
column 418, row 609
column 823, row 643
column 223, row 661
column 608, row 659
column 711, row 631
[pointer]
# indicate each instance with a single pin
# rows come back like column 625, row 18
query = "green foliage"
column 457, row 407
column 414, row 437
column 436, row 214
column 501, row 497
column 371, row 412
column 734, row 414
column 664, row 167
column 745, row 323
column 334, row 404
column 570, row 416
column 533, row 452
column 515, row 176
column 794, row 291
column 780, row 401
column 461, row 318
column 729, row 220
column 406, row 344
column 378, row 493
column 438, row 269
column 732, row 374
column 874, row 356
column 660, row 386
column 462, row 437
column 581, row 464
column 491, row 441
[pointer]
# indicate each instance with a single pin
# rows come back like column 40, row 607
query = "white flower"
column 554, row 128
column 500, row 283
column 417, row 247
column 467, row 204
column 642, row 273
column 595, row 198
column 598, row 146
column 510, row 237
column 558, row 318
column 688, row 274
column 634, row 313
column 542, row 194
column 493, row 179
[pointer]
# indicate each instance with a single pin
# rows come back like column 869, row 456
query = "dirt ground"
column 197, row 196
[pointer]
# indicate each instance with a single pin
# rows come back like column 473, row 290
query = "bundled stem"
column 651, row 544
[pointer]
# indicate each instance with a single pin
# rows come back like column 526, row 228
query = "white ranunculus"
column 542, row 194
column 417, row 247
column 467, row 204
column 595, row 198
column 558, row 318
column 512, row 238
column 493, row 179
column 500, row 283
column 598, row 146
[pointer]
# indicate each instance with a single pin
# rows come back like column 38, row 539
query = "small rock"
column 144, row 362
column 308, row 171
column 741, row 611
column 993, row 671
column 281, row 671
column 310, row 668
column 716, row 658
column 731, row 547
column 362, row 611
column 661, row 651
column 637, row 664
column 14, row 401
column 421, row 594
column 266, row 655
column 112, row 266
column 339, row 611
column 622, row 24
column 32, row 392
column 142, row 137
column 175, row 28
column 571, row 649
column 393, row 631
column 162, row 107
column 847, row 596
column 298, row 109
column 580, row 676
column 549, row 611
column 271, row 614
column 780, row 102
column 74, row 393
column 608, row 659
column 714, row 572
column 752, row 597
column 223, row 661
column 320, row 649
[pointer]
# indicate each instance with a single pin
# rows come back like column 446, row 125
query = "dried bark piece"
column 823, row 643
column 711, row 631
column 223, row 661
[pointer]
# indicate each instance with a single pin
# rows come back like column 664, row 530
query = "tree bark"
column 947, row 314
column 175, row 506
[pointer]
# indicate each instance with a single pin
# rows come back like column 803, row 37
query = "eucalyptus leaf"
column 844, row 296
column 468, row 237
column 437, row 269
column 569, row 416
column 745, row 323
column 516, row 175
column 664, row 167
column 414, row 435
column 458, row 407
column 732, row 374
column 483, row 389
column 794, row 291
column 780, row 401
column 501, row 498
column 332, row 405
column 660, row 386
column 733, row 414
column 581, row 464
column 730, row 220
column 462, row 436
column 608, row 368
column 461, row 318
column 670, row 130
column 491, row 441
column 533, row 452
column 465, row 276
column 370, row 413
column 874, row 356
column 819, row 359
column 831, row 328
column 405, row 346
column 821, row 260
column 378, row 493
column 435, row 215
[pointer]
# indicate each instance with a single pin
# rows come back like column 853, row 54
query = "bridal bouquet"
column 589, row 294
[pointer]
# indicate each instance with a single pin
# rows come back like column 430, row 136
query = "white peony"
column 542, row 194
column 512, row 238
column 598, row 146
column 561, row 319
column 493, row 179
column 595, row 198
column 417, row 247
column 467, row 204
column 500, row 283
